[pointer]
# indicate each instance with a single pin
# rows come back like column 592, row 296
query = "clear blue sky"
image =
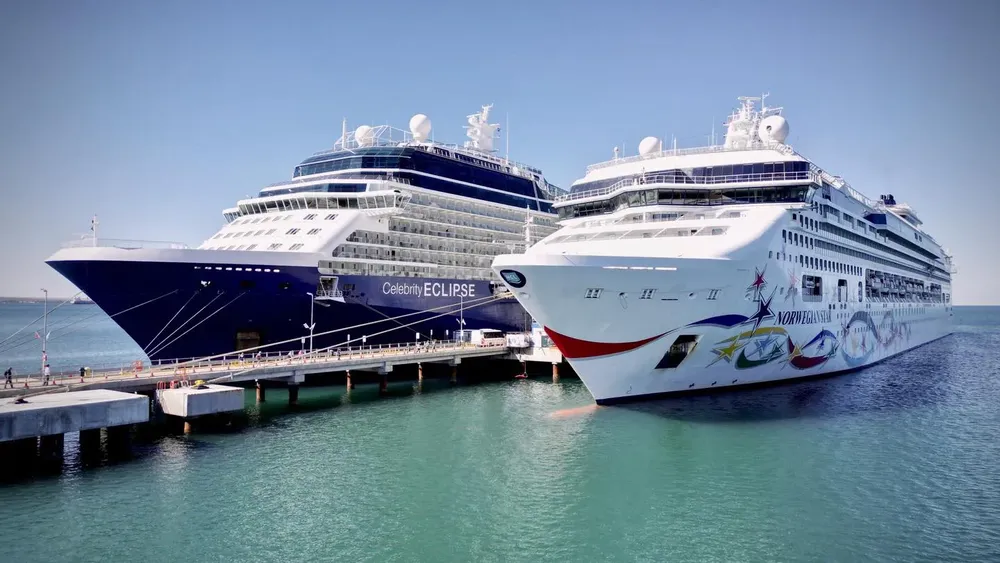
column 157, row 115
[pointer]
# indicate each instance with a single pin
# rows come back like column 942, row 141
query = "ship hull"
column 177, row 310
column 715, row 324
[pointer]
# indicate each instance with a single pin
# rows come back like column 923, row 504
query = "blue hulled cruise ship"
column 387, row 235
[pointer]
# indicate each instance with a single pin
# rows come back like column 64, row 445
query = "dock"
column 291, row 369
column 114, row 399
column 46, row 418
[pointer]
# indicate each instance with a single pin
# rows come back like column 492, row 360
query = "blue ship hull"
column 178, row 310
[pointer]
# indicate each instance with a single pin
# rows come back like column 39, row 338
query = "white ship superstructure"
column 695, row 269
column 358, row 208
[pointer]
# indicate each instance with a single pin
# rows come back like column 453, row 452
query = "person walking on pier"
column 48, row 373
column 8, row 378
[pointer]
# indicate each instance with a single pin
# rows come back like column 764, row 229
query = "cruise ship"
column 388, row 237
column 681, row 270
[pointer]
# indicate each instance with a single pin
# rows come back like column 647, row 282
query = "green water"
column 894, row 463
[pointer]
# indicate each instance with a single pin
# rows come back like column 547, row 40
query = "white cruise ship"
column 740, row 264
column 387, row 237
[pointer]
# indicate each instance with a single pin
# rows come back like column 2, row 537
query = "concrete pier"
column 260, row 392
column 277, row 368
column 350, row 384
column 188, row 402
column 58, row 413
column 293, row 394
column 454, row 374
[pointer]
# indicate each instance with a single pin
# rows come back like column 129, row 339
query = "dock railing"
column 189, row 367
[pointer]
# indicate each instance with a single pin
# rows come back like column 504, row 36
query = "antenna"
column 343, row 134
column 713, row 131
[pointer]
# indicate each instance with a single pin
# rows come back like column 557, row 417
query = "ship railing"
column 334, row 176
column 196, row 368
column 388, row 136
column 682, row 180
column 329, row 293
column 692, row 150
column 124, row 244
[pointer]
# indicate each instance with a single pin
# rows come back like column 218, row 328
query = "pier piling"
column 260, row 391
column 90, row 440
column 293, row 394
column 51, row 446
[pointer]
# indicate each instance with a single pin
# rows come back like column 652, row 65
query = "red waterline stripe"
column 576, row 348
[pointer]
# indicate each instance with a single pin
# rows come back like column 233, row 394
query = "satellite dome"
column 420, row 127
column 648, row 146
column 364, row 135
column 773, row 128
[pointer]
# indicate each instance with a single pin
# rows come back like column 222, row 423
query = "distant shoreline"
column 32, row 300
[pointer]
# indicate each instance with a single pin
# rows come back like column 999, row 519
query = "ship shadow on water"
column 916, row 379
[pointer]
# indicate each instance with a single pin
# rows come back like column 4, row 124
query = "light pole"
column 45, row 329
column 311, row 325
